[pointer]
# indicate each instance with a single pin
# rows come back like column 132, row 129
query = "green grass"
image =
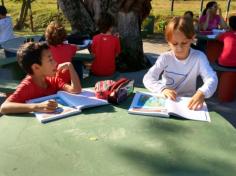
column 46, row 10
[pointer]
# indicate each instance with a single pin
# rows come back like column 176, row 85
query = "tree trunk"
column 132, row 46
column 23, row 14
column 78, row 16
column 20, row 22
column 83, row 15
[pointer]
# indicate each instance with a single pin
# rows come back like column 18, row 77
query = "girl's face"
column 214, row 8
column 180, row 45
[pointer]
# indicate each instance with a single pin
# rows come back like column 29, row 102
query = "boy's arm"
column 75, row 86
column 9, row 107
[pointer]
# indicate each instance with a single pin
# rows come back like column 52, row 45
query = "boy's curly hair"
column 30, row 53
column 55, row 33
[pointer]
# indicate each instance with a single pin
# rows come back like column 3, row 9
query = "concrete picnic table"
column 108, row 141
column 12, row 45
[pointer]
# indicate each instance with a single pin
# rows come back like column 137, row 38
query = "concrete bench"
column 7, row 61
column 8, row 86
column 13, row 67
column 227, row 82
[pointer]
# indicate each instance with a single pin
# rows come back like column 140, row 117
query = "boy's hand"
column 63, row 66
column 196, row 101
column 47, row 106
column 170, row 93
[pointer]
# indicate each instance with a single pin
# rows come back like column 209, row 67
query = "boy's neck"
column 107, row 33
column 39, row 81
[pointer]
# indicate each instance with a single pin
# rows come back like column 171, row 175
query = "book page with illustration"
column 157, row 105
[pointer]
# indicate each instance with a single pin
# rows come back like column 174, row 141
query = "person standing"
column 6, row 29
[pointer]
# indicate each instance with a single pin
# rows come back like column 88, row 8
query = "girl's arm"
column 75, row 86
column 204, row 25
column 11, row 107
column 151, row 78
column 208, row 76
column 209, row 86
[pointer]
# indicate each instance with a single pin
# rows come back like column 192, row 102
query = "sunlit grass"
column 44, row 11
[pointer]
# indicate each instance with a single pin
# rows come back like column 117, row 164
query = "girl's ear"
column 194, row 36
column 35, row 67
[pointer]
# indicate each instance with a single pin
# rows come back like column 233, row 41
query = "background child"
column 105, row 47
column 55, row 35
column 36, row 59
column 210, row 19
column 189, row 14
column 228, row 55
column 181, row 66
column 6, row 29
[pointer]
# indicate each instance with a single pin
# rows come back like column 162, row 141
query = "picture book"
column 157, row 105
column 68, row 104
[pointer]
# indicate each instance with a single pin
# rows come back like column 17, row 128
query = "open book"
column 157, row 105
column 68, row 104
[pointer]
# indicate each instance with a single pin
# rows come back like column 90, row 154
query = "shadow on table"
column 173, row 149
column 24, row 115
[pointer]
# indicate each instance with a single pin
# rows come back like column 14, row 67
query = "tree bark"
column 84, row 14
column 23, row 14
column 78, row 16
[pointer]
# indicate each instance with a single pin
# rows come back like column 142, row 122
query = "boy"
column 105, row 47
column 36, row 59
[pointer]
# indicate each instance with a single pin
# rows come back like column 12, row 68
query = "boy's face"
column 49, row 65
column 180, row 45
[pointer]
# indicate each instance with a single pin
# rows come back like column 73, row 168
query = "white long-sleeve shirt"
column 181, row 75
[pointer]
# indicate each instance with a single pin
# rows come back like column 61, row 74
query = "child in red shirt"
column 228, row 55
column 36, row 59
column 105, row 48
column 55, row 35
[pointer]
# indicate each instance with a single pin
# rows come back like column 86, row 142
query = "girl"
column 210, row 20
column 181, row 66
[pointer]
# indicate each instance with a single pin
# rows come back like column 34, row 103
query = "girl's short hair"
column 55, row 33
column 182, row 24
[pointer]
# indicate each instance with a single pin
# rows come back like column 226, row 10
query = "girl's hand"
column 219, row 11
column 46, row 106
column 170, row 93
column 208, row 12
column 196, row 101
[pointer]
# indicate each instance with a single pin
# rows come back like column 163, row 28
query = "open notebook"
column 68, row 104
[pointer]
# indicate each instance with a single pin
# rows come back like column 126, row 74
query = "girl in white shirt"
column 180, row 67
